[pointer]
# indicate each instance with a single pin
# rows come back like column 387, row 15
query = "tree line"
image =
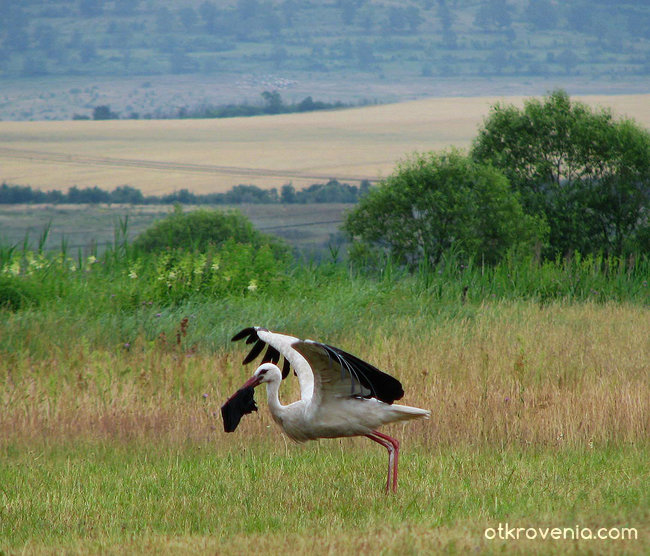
column 331, row 192
column 272, row 104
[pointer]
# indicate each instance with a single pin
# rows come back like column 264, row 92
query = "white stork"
column 341, row 395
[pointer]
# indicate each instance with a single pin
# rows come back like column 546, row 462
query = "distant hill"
column 520, row 37
column 338, row 39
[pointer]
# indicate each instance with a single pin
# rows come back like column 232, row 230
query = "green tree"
column 436, row 202
column 273, row 102
column 288, row 194
column 103, row 112
column 586, row 173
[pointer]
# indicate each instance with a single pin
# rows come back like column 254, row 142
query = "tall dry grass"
column 509, row 373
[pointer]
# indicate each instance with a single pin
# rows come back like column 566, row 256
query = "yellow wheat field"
column 160, row 156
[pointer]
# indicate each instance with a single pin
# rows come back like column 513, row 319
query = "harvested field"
column 160, row 156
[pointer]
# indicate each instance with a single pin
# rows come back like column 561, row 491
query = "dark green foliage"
column 331, row 192
column 273, row 104
column 587, row 174
column 15, row 294
column 201, row 229
column 104, row 112
column 434, row 203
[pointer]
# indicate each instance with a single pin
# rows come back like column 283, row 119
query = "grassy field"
column 98, row 498
column 111, row 440
column 213, row 155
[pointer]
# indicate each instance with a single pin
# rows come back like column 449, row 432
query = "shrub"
column 201, row 229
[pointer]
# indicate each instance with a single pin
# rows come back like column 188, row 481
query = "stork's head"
column 266, row 372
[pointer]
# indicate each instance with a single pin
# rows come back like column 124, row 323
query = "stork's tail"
column 406, row 413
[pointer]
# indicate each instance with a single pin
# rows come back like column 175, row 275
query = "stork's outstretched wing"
column 339, row 373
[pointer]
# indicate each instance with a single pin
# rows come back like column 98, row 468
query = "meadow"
column 161, row 156
column 537, row 377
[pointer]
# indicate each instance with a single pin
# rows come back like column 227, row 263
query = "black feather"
column 381, row 385
column 257, row 349
column 243, row 333
column 272, row 355
column 242, row 403
column 286, row 367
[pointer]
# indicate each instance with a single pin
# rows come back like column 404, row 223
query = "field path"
column 212, row 155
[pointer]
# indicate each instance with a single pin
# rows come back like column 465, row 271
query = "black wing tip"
column 386, row 388
column 399, row 393
column 249, row 332
column 272, row 355
column 257, row 349
column 243, row 334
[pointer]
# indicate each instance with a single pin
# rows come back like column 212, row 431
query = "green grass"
column 119, row 298
column 93, row 497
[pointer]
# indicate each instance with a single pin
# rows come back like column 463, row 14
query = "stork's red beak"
column 252, row 381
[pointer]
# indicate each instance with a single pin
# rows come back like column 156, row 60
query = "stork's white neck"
column 275, row 406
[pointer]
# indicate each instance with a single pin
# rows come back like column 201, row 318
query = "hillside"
column 64, row 55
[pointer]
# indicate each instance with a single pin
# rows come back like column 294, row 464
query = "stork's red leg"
column 390, row 448
column 395, row 444
column 392, row 445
